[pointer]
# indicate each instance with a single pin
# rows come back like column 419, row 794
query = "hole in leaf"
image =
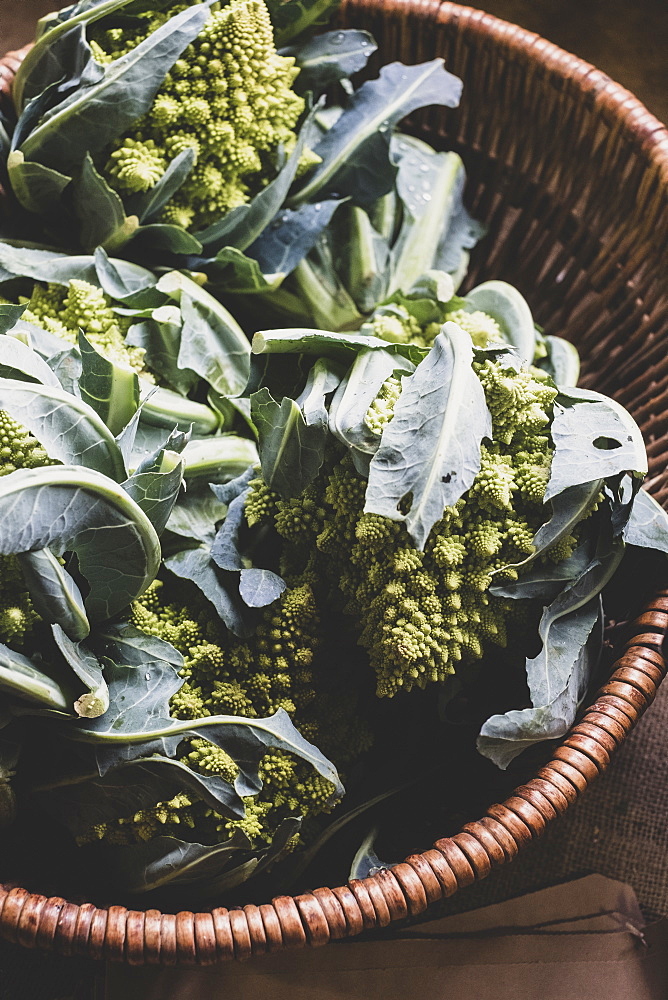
column 405, row 504
column 606, row 443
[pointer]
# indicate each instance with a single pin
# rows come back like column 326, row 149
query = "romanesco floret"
column 421, row 613
column 64, row 310
column 18, row 450
column 382, row 409
column 229, row 99
column 482, row 328
column 223, row 675
column 207, row 758
column 397, row 325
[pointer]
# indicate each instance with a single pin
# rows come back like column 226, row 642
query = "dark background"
column 628, row 39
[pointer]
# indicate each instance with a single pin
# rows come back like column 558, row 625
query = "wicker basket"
column 571, row 174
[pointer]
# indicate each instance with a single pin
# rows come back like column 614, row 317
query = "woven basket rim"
column 407, row 889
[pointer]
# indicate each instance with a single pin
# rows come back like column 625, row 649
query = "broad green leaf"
column 54, row 593
column 430, row 186
column 18, row 361
column 71, row 508
column 291, row 451
column 242, row 225
column 332, row 56
column 197, row 513
column 68, row 428
column 558, row 676
column 97, row 206
column 111, row 389
column 36, row 187
column 237, row 274
column 594, row 437
column 545, row 579
column 162, row 236
column 136, row 442
column 45, row 265
column 142, row 675
column 337, row 346
column 431, row 447
column 197, row 566
column 156, row 483
column 66, row 366
column 20, row 678
column 160, row 337
column 460, row 234
column 227, row 550
column 376, row 107
column 648, row 524
column 562, row 361
column 88, row 669
column 89, row 119
column 509, row 308
column 37, row 66
column 212, row 342
column 317, row 284
column 503, row 737
column 568, row 509
column 260, row 587
column 287, row 240
column 9, row 317
column 370, row 370
column 168, row 863
column 291, row 18
column 121, row 279
column 548, row 673
column 246, row 740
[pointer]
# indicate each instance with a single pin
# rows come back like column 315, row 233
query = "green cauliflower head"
column 229, row 99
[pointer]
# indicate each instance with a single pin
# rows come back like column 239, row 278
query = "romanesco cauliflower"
column 419, row 614
column 63, row 310
column 18, row 450
column 398, row 326
column 229, row 98
column 276, row 668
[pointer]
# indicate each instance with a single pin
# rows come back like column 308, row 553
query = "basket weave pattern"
column 570, row 173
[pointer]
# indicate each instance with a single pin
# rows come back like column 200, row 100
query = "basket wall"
column 570, row 173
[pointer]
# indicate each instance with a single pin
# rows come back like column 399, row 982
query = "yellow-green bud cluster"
column 226, row 676
column 64, row 310
column 381, row 410
column 400, row 327
column 18, row 450
column 482, row 328
column 420, row 614
column 229, row 99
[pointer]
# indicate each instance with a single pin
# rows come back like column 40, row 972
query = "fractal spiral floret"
column 229, row 99
column 275, row 669
column 420, row 614
column 64, row 310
